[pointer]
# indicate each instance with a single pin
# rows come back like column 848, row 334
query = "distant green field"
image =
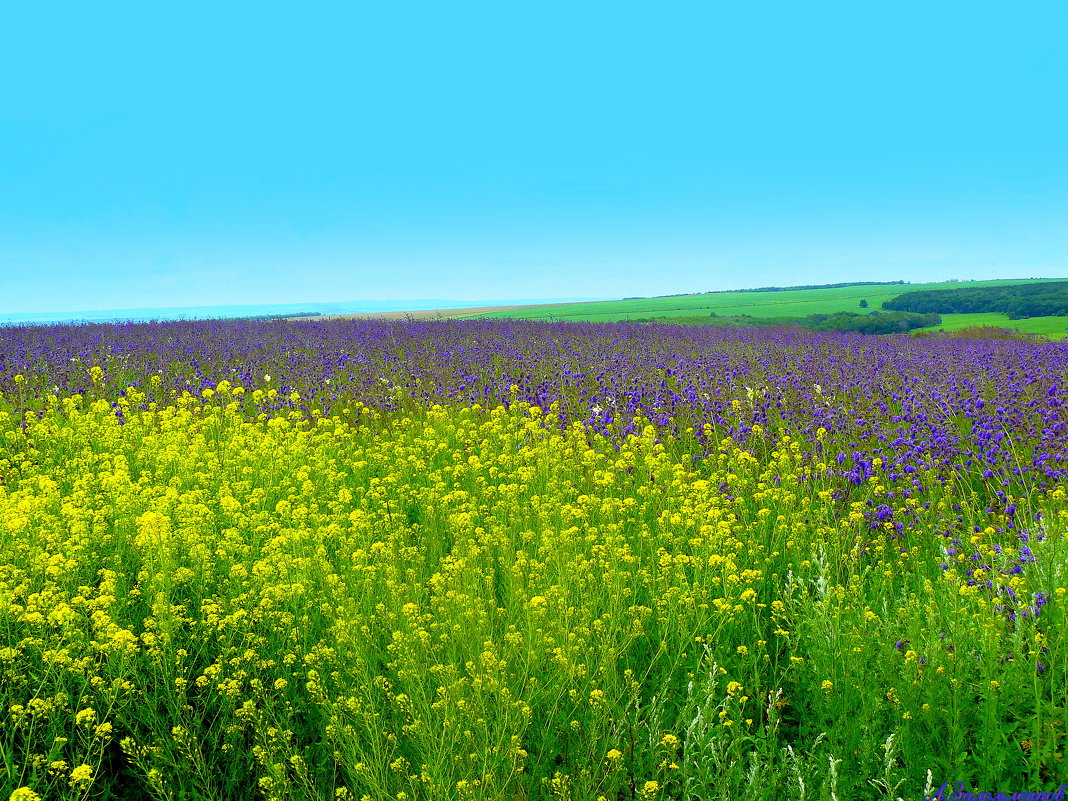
column 1052, row 327
column 797, row 303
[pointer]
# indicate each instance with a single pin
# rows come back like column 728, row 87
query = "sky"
column 195, row 153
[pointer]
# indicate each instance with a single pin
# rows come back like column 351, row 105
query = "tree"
column 864, row 304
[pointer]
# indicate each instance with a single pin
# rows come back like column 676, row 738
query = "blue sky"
column 224, row 153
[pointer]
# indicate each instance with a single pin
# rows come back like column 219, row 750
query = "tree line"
column 893, row 322
column 844, row 285
column 1018, row 302
column 874, row 323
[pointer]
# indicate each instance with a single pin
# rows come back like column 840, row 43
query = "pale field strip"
column 433, row 314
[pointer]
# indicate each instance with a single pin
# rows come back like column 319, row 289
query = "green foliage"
column 1018, row 302
column 874, row 323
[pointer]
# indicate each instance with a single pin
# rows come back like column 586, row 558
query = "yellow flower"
column 650, row 789
column 669, row 741
column 614, row 755
column 83, row 774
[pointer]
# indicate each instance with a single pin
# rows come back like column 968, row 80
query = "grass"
column 1052, row 327
column 797, row 303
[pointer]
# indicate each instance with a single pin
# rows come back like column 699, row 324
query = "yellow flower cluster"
column 437, row 601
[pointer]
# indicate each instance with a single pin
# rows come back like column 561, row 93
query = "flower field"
column 521, row 560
